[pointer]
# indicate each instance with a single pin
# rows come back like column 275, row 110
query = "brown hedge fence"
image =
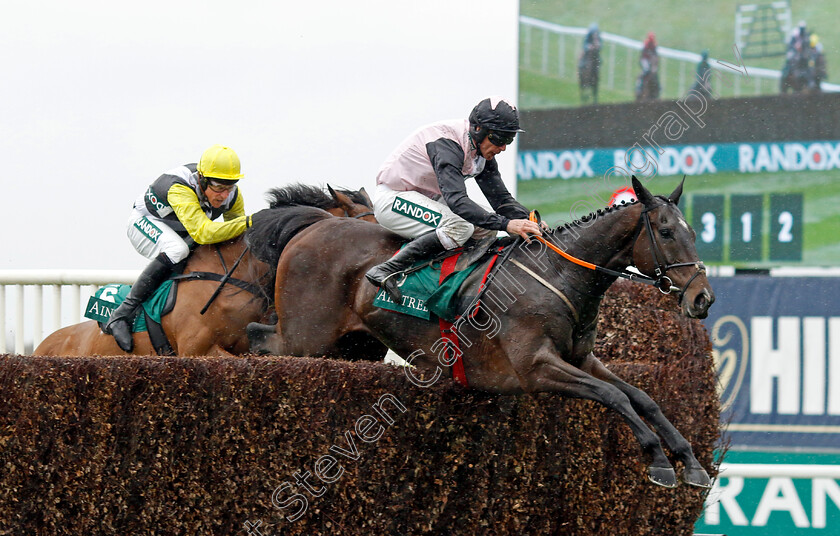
column 194, row 446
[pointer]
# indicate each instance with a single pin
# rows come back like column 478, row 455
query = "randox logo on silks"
column 149, row 229
column 161, row 206
column 416, row 212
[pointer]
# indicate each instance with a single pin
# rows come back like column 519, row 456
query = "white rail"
column 70, row 290
column 760, row 470
column 686, row 61
column 782, row 271
column 29, row 310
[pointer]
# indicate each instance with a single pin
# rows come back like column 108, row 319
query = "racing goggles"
column 220, row 187
column 500, row 139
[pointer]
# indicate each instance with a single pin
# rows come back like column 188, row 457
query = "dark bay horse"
column 220, row 331
column 535, row 329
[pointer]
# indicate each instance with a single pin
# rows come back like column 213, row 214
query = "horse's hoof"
column 260, row 337
column 663, row 476
column 696, row 476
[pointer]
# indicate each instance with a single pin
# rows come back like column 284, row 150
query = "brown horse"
column 220, row 331
column 535, row 329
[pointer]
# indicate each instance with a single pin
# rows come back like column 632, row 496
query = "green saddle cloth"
column 107, row 298
column 423, row 295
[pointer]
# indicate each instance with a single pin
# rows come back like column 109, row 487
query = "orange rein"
column 555, row 249
column 663, row 282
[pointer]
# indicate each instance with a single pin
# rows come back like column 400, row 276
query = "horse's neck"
column 607, row 242
column 607, row 239
column 208, row 258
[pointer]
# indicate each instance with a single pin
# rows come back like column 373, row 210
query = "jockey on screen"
column 175, row 213
column 649, row 58
column 592, row 39
column 421, row 190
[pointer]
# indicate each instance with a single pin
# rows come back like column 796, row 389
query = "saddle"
column 435, row 286
column 450, row 286
column 109, row 297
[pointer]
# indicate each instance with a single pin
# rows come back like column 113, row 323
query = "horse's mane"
column 586, row 221
column 612, row 209
column 274, row 227
column 310, row 196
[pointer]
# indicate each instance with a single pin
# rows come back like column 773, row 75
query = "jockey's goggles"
column 220, row 187
column 501, row 138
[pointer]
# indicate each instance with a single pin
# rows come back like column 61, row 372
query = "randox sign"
column 770, row 494
column 679, row 159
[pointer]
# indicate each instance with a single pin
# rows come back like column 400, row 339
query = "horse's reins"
column 662, row 282
column 223, row 280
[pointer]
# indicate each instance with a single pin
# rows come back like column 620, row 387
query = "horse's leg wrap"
column 420, row 248
column 120, row 323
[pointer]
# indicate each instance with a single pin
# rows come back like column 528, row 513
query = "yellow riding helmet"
column 814, row 40
column 220, row 162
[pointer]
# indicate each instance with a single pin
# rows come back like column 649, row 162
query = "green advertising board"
column 747, row 228
column 707, row 220
column 786, row 227
column 774, row 494
column 745, row 222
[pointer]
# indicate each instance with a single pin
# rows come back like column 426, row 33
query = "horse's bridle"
column 663, row 282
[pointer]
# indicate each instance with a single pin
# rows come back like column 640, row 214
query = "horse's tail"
column 273, row 228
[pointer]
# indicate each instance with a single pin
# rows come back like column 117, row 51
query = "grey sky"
column 98, row 98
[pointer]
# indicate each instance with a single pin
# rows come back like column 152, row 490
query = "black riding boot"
column 421, row 247
column 123, row 316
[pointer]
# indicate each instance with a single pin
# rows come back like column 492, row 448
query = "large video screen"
column 760, row 196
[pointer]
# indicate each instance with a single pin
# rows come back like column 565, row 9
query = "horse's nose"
column 702, row 302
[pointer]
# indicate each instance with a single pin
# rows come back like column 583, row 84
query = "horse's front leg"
column 550, row 373
column 693, row 472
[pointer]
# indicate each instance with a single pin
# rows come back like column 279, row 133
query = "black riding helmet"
column 494, row 114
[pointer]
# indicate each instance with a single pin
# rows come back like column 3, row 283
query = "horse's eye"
column 666, row 233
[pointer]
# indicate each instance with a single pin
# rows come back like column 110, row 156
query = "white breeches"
column 151, row 236
column 412, row 214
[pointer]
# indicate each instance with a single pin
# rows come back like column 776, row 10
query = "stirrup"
column 390, row 284
column 379, row 282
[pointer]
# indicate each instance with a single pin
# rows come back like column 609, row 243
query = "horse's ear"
column 343, row 200
column 642, row 194
column 675, row 195
column 364, row 194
